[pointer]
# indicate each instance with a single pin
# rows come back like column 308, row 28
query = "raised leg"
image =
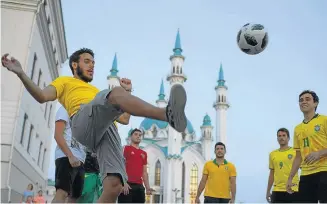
column 173, row 113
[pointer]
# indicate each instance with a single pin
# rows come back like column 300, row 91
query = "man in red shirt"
column 136, row 169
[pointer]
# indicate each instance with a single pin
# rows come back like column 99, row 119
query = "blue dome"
column 206, row 120
column 148, row 122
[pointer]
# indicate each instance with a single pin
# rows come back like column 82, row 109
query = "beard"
column 219, row 155
column 81, row 75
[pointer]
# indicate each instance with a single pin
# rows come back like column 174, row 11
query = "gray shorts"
column 93, row 126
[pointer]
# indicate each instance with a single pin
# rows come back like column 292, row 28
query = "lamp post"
column 176, row 191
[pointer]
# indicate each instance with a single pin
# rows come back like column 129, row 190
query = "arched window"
column 173, row 70
column 194, row 182
column 157, row 173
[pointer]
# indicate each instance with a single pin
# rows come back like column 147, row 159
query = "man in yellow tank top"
column 310, row 143
column 280, row 164
column 93, row 112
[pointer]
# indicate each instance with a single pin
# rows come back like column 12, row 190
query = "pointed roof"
column 178, row 48
column 221, row 80
column 114, row 68
column 162, row 91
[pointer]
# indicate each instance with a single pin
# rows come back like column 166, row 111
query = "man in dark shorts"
column 93, row 112
column 136, row 168
column 69, row 159
column 92, row 183
column 310, row 143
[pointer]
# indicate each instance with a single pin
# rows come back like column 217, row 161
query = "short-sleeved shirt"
column 312, row 137
column 281, row 162
column 135, row 159
column 72, row 92
column 75, row 147
column 218, row 182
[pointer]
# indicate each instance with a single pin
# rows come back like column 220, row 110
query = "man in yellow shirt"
column 280, row 164
column 92, row 113
column 310, row 143
column 218, row 179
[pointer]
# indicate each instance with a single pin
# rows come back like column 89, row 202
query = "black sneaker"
column 175, row 110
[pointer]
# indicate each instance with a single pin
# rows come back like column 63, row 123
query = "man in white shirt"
column 69, row 159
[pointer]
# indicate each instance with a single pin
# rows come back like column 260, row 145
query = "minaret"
column 221, row 105
column 206, row 139
column 173, row 161
column 161, row 102
column 113, row 78
column 176, row 75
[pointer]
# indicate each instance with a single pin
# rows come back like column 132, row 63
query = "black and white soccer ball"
column 252, row 38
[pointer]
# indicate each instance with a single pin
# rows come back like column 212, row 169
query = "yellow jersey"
column 72, row 92
column 312, row 137
column 281, row 162
column 218, row 182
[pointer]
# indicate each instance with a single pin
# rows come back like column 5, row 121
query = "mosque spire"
column 177, row 75
column 114, row 69
column 161, row 101
column 162, row 91
column 178, row 48
column 221, row 80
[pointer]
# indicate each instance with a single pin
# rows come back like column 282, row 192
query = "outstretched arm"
column 49, row 93
column 41, row 96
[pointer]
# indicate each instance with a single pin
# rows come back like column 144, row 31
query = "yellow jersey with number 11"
column 312, row 137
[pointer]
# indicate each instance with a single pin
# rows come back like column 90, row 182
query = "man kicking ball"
column 93, row 112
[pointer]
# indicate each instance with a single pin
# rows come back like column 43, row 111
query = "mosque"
column 176, row 160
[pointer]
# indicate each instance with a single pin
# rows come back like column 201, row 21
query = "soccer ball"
column 252, row 38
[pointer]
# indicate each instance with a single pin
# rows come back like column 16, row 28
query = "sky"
column 262, row 89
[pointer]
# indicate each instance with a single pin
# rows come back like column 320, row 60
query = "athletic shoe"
column 175, row 110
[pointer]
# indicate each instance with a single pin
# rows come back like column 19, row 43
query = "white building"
column 175, row 160
column 33, row 32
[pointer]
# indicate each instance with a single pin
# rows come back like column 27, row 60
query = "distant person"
column 39, row 198
column 28, row 192
column 28, row 200
column 280, row 164
column 69, row 159
column 310, row 143
column 136, row 168
column 218, row 179
column 92, row 183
